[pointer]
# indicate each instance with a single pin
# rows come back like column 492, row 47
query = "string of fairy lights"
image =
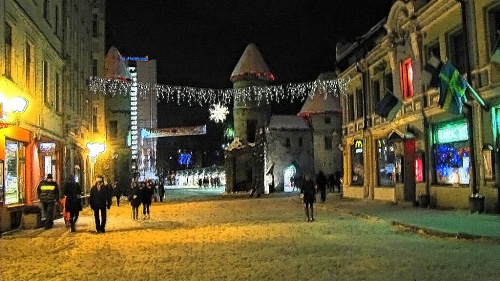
column 203, row 96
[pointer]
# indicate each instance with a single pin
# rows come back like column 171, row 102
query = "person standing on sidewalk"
column 48, row 194
column 73, row 192
column 308, row 191
column 134, row 197
column 100, row 200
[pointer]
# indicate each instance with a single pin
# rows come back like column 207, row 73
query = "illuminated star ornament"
column 218, row 113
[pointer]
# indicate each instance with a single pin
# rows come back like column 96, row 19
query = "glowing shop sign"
column 358, row 146
column 452, row 133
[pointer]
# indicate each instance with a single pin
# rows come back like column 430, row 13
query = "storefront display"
column 452, row 154
column 14, row 157
column 389, row 161
column 358, row 171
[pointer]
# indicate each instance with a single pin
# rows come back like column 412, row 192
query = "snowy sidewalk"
column 445, row 223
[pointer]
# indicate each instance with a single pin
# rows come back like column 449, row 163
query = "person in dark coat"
column 161, row 190
column 308, row 191
column 134, row 197
column 73, row 205
column 321, row 182
column 117, row 192
column 100, row 200
column 147, row 198
column 48, row 194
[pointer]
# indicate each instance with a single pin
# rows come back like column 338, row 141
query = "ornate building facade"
column 398, row 143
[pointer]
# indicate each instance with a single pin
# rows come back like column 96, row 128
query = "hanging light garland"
column 201, row 96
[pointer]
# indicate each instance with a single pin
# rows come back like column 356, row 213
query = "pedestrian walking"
column 48, row 194
column 117, row 192
column 161, row 190
column 321, row 182
column 147, row 191
column 73, row 192
column 100, row 201
column 308, row 191
column 134, row 197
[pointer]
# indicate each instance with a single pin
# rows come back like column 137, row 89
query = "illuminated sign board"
column 358, row 146
column 136, row 58
column 452, row 132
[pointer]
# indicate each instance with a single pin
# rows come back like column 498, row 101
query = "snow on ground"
column 240, row 238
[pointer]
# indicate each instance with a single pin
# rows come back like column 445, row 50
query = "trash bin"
column 424, row 200
column 476, row 204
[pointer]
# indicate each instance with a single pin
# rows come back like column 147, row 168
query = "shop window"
column 406, row 72
column 451, row 154
column 419, row 167
column 390, row 163
column 357, row 168
column 15, row 153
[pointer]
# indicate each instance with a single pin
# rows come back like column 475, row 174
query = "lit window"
column 406, row 72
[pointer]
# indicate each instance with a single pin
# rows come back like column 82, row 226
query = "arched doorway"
column 288, row 173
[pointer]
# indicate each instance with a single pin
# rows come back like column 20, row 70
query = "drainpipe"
column 366, row 123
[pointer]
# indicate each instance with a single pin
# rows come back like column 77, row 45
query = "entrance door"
column 288, row 173
column 409, row 170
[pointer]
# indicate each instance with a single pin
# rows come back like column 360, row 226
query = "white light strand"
column 201, row 96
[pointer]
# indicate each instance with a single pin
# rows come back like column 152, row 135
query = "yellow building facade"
column 398, row 143
column 46, row 59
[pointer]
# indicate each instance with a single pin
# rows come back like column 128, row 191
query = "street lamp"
column 16, row 105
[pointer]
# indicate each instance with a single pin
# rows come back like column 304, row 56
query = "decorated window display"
column 389, row 161
column 452, row 154
column 358, row 171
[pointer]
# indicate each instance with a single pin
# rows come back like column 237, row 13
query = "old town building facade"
column 48, row 49
column 398, row 143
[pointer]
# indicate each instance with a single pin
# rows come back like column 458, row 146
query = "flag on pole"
column 452, row 89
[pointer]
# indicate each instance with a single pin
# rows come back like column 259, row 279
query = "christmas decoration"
column 218, row 113
column 202, row 96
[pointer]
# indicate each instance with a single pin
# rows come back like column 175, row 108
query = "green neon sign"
column 452, row 133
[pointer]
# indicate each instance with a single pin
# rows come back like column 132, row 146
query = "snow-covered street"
column 239, row 238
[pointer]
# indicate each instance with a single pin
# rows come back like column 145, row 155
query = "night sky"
column 199, row 42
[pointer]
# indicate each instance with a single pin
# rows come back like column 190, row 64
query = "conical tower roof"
column 251, row 64
column 323, row 100
column 114, row 66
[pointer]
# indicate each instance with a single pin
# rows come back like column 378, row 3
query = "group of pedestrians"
column 142, row 193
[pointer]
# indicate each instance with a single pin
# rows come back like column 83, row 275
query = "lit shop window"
column 406, row 72
column 357, row 168
column 390, row 165
column 451, row 153
column 15, row 164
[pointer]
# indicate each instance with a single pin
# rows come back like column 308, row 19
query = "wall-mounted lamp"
column 16, row 106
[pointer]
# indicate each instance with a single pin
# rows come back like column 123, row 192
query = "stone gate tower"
column 245, row 162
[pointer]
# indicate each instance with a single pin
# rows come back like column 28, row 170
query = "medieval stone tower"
column 249, row 116
column 245, row 163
